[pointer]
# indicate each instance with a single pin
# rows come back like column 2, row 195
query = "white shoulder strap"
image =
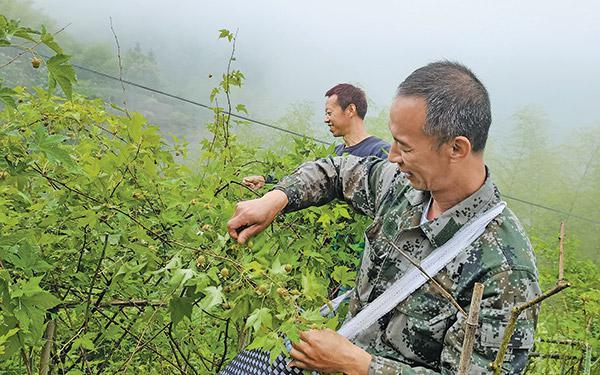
column 413, row 279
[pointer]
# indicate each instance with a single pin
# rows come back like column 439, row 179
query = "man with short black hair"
column 435, row 184
column 345, row 111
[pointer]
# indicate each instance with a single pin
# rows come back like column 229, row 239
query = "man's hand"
column 254, row 182
column 329, row 352
column 252, row 217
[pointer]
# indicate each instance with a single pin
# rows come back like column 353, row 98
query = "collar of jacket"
column 442, row 228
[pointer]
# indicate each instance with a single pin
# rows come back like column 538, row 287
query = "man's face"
column 417, row 154
column 335, row 117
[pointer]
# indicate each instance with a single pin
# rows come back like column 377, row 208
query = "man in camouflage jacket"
column 435, row 184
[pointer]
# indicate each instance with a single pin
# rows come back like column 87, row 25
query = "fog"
column 540, row 54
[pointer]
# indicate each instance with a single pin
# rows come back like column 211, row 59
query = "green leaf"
column 180, row 307
column 224, row 33
column 180, row 277
column 50, row 146
column 7, row 97
column 342, row 211
column 241, row 108
column 260, row 318
column 61, row 72
column 84, row 342
column 343, row 275
column 277, row 267
column 290, row 329
column 276, row 349
column 214, row 297
column 312, row 286
column 48, row 40
column 135, row 127
column 4, row 338
column 214, row 93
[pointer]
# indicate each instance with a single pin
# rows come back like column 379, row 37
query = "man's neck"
column 356, row 135
column 464, row 186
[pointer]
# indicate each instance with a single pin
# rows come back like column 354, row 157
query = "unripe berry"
column 262, row 289
column 224, row 272
column 35, row 62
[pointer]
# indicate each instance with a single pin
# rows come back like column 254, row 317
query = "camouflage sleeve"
column 358, row 181
column 502, row 292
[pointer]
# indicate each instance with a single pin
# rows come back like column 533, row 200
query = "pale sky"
column 528, row 53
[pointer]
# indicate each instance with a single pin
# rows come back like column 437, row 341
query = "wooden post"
column 470, row 329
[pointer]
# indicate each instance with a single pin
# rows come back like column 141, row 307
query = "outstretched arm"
column 360, row 182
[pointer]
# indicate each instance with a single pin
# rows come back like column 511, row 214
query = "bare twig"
column 52, row 180
column 93, row 281
column 178, row 348
column 145, row 343
column 470, row 329
column 224, row 346
column 564, row 342
column 415, row 263
column 561, row 255
column 556, row 356
column 219, row 190
column 139, row 339
column 516, row 311
column 120, row 67
column 116, row 303
column 78, row 268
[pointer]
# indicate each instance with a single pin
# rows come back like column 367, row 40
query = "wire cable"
column 245, row 118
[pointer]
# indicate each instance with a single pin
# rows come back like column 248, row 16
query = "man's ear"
column 351, row 110
column 460, row 148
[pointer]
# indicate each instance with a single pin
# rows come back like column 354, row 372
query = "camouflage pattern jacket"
column 424, row 333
